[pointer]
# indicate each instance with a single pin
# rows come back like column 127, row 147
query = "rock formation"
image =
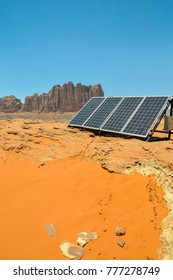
column 10, row 104
column 66, row 98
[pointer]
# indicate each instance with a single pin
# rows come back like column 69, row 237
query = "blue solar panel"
column 122, row 114
column 86, row 111
column 144, row 118
column 136, row 116
column 102, row 112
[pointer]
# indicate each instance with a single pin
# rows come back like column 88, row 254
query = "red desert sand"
column 57, row 182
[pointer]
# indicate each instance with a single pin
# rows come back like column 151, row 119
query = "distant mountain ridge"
column 66, row 98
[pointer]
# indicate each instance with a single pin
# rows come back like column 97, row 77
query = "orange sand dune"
column 76, row 196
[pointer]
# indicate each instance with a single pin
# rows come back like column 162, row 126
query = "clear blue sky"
column 126, row 45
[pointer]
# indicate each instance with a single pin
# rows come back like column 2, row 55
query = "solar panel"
column 117, row 120
column 102, row 112
column 86, row 111
column 135, row 116
column 144, row 118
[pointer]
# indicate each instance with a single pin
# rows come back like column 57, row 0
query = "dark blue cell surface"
column 86, row 111
column 118, row 119
column 102, row 112
column 144, row 118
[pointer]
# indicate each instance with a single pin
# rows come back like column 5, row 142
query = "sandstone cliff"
column 10, row 104
column 66, row 98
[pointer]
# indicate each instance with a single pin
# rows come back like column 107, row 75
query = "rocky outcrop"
column 66, row 98
column 10, row 104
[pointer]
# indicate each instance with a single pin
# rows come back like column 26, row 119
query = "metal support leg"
column 171, row 113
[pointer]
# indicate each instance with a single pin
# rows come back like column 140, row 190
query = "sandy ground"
column 52, row 174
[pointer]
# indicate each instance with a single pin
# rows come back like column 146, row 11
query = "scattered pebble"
column 72, row 251
column 37, row 142
column 85, row 237
column 120, row 231
column 26, row 126
column 50, row 228
column 121, row 242
column 12, row 132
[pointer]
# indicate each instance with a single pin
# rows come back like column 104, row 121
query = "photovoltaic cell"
column 102, row 112
column 118, row 119
column 145, row 116
column 86, row 111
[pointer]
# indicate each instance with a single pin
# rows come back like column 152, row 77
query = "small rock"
column 26, row 126
column 20, row 147
column 85, row 237
column 92, row 135
column 8, row 148
column 50, row 228
column 121, row 243
column 12, row 132
column 71, row 251
column 32, row 122
column 120, row 231
column 37, row 142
